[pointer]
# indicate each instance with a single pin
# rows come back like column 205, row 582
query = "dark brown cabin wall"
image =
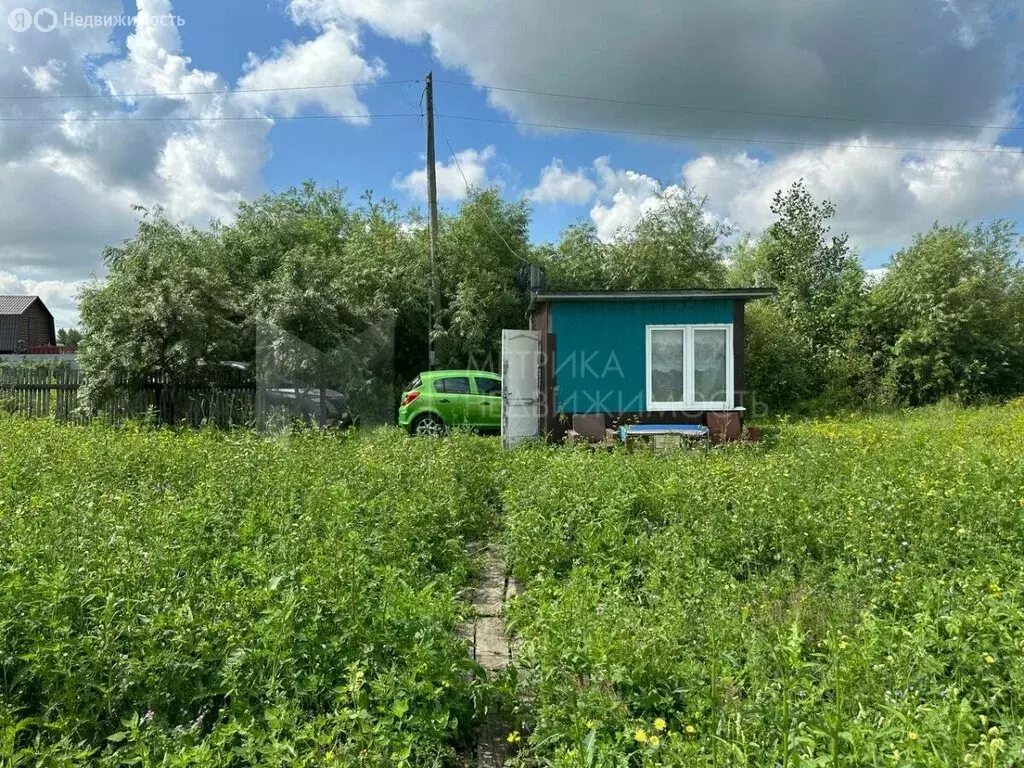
column 36, row 327
column 540, row 321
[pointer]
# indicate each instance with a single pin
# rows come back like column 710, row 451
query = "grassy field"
column 849, row 593
column 223, row 600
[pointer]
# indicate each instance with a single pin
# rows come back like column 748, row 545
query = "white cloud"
column 882, row 196
column 330, row 58
column 557, row 185
column 47, row 76
column 731, row 61
column 67, row 186
column 465, row 169
column 624, row 197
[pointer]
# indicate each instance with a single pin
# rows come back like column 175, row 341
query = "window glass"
column 456, row 385
column 709, row 364
column 667, row 364
column 488, row 387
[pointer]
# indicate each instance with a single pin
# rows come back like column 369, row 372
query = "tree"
column 167, row 308
column 676, row 245
column 818, row 280
column 946, row 319
column 482, row 250
column 69, row 337
column 327, row 289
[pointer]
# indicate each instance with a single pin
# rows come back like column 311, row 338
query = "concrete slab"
column 488, row 600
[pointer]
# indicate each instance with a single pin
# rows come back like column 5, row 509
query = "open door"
column 520, row 387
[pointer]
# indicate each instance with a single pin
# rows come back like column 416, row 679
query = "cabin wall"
column 600, row 349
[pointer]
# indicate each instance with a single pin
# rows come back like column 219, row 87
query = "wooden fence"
column 54, row 392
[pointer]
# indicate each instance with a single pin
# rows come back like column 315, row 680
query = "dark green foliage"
column 674, row 246
column 850, row 595
column 948, row 319
column 69, row 337
column 267, row 601
column 351, row 285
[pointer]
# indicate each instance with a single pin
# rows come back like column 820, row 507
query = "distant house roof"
column 694, row 293
column 16, row 305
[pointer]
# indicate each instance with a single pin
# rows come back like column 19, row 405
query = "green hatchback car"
column 438, row 400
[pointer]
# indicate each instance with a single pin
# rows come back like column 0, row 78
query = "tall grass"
column 850, row 595
column 195, row 598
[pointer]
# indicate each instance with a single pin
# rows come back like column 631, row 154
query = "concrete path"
column 492, row 648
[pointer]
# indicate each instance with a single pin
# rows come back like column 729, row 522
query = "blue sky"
column 903, row 114
column 361, row 158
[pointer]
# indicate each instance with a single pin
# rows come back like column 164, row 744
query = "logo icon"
column 20, row 20
column 45, row 20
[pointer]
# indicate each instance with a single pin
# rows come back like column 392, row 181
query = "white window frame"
column 689, row 373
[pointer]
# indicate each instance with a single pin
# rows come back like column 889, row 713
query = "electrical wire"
column 247, row 118
column 179, row 94
column 721, row 110
column 709, row 137
column 487, row 215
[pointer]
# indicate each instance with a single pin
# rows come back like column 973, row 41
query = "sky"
column 902, row 113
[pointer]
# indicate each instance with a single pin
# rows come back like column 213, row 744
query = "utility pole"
column 432, row 206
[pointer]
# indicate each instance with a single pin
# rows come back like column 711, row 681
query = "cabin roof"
column 694, row 293
column 16, row 305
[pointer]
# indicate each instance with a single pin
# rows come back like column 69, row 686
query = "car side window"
column 455, row 385
column 488, row 387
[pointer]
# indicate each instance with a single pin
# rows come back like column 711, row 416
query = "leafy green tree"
column 819, row 281
column 167, row 308
column 676, row 245
column 69, row 337
column 819, row 308
column 577, row 262
column 946, row 319
column 482, row 250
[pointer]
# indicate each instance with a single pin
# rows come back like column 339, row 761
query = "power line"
column 722, row 110
column 738, row 139
column 178, row 94
column 487, row 215
column 219, row 119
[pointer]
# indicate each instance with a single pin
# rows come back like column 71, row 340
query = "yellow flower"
column 654, row 741
column 591, row 724
column 513, row 738
column 329, row 755
column 912, row 735
column 660, row 724
column 640, row 735
column 993, row 588
column 690, row 729
column 989, row 658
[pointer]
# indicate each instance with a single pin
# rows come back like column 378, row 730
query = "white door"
column 520, row 387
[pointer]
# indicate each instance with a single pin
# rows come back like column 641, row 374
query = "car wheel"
column 428, row 425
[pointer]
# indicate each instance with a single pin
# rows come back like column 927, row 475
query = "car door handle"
column 444, row 400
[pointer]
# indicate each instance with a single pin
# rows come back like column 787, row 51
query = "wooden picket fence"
column 54, row 392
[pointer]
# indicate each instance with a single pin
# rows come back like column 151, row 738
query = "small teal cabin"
column 652, row 357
